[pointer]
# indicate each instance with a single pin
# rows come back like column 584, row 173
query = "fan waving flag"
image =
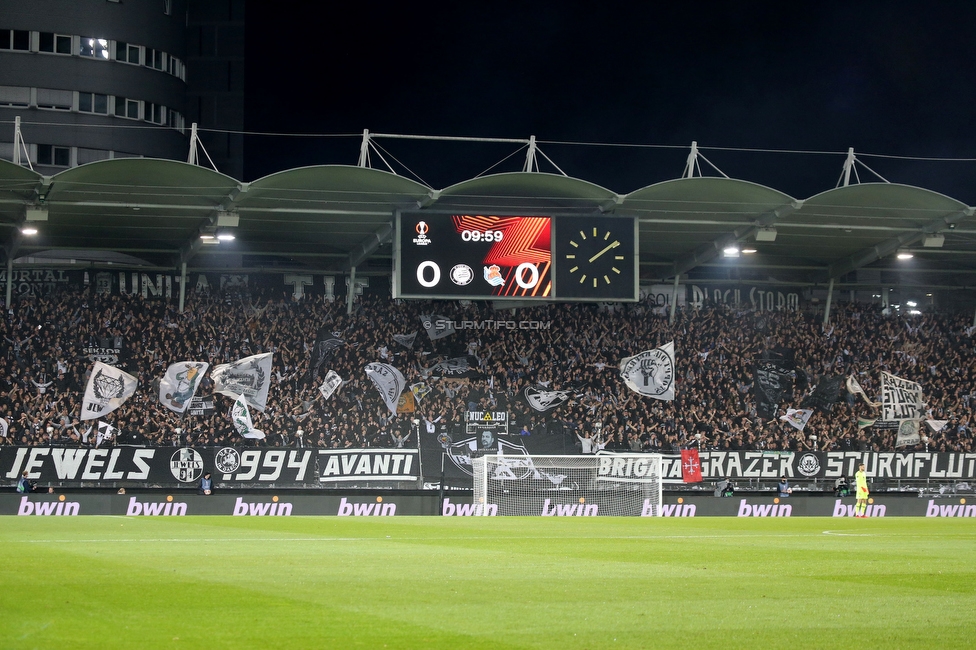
column 690, row 466
column 250, row 376
column 107, row 390
column 241, row 417
column 651, row 372
column 388, row 381
column 797, row 418
column 179, row 385
column 331, row 383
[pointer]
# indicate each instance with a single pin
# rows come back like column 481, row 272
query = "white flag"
column 331, row 383
column 901, row 399
column 241, row 417
column 406, row 340
column 249, row 376
column 105, row 432
column 651, row 372
column 107, row 390
column 388, row 381
column 854, row 388
column 797, row 418
column 908, row 433
column 937, row 425
column 179, row 384
column 3, row 428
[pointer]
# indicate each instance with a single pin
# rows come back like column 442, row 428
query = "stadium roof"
column 150, row 213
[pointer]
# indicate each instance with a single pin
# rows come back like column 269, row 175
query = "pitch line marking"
column 840, row 534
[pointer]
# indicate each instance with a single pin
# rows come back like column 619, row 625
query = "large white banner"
column 179, row 385
column 107, row 390
column 388, row 381
column 249, row 376
column 900, row 399
column 651, row 372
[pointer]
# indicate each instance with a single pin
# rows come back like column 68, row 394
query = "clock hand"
column 611, row 246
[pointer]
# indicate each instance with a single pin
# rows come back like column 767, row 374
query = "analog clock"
column 595, row 258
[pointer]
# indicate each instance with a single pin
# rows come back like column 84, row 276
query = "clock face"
column 595, row 258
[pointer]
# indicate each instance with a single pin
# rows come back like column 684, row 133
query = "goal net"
column 616, row 485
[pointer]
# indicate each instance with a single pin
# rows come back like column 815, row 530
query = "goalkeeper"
column 861, row 505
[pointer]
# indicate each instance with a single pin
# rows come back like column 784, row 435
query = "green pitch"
column 416, row 582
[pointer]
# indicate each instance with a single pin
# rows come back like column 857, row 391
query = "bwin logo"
column 155, row 509
column 244, row 508
column 765, row 509
column 580, row 509
column 378, row 509
column 874, row 510
column 670, row 509
column 48, row 508
column 961, row 510
column 449, row 509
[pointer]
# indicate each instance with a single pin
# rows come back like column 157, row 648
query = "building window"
column 94, row 47
column 154, row 58
column 14, row 40
column 58, row 100
column 127, row 53
column 93, row 103
column 18, row 96
column 174, row 66
column 127, row 108
column 49, row 154
column 54, row 43
column 155, row 113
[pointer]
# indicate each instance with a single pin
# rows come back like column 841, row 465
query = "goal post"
column 616, row 485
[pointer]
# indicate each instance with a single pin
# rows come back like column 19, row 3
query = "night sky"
column 887, row 77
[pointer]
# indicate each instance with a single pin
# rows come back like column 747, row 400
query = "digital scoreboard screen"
column 574, row 258
column 474, row 256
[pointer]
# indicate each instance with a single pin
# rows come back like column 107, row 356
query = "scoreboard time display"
column 518, row 257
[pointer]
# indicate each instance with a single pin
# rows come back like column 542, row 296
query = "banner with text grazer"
column 770, row 466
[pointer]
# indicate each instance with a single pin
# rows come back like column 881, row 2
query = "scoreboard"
column 511, row 256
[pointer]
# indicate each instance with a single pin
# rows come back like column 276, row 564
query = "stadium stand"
column 577, row 348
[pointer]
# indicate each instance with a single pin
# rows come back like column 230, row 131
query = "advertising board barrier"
column 160, row 503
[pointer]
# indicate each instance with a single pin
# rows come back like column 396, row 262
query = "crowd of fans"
column 46, row 360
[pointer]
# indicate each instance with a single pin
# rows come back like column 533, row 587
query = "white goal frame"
column 605, row 484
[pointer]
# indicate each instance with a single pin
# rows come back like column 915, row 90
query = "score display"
column 474, row 256
column 519, row 257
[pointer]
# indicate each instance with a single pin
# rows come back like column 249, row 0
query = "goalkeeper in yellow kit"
column 861, row 505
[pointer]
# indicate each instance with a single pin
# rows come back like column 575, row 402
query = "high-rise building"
column 98, row 79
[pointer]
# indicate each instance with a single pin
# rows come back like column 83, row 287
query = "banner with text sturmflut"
column 799, row 466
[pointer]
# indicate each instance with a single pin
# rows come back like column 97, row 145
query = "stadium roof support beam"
column 711, row 250
column 369, row 245
column 874, row 253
